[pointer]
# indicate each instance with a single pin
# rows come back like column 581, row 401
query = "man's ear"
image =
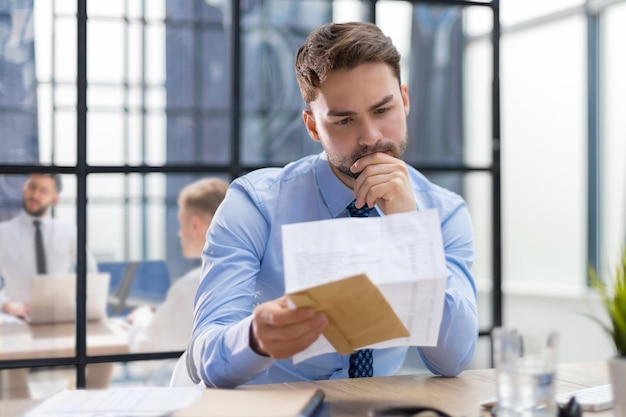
column 195, row 221
column 198, row 225
column 310, row 124
column 404, row 90
column 55, row 200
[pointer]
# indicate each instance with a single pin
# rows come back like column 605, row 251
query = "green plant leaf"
column 613, row 297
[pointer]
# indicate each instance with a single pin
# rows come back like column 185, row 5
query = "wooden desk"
column 458, row 396
column 24, row 341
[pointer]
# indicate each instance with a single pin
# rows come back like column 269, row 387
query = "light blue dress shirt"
column 244, row 251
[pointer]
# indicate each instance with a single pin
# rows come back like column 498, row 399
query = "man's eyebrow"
column 338, row 113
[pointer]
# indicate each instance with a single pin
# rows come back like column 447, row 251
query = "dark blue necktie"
column 40, row 253
column 361, row 361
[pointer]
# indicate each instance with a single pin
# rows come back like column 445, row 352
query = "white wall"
column 581, row 339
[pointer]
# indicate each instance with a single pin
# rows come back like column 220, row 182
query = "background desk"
column 458, row 396
column 24, row 341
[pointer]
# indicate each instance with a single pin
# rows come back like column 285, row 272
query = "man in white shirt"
column 169, row 327
column 18, row 258
column 21, row 260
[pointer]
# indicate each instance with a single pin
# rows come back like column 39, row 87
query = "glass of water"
column 526, row 365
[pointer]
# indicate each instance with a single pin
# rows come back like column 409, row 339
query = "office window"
column 613, row 132
column 271, row 125
column 521, row 11
column 543, row 155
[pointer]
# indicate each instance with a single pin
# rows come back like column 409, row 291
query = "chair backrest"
column 180, row 377
column 134, row 284
column 116, row 271
column 122, row 274
column 150, row 283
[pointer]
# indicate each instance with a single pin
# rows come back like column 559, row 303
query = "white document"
column 118, row 402
column 402, row 254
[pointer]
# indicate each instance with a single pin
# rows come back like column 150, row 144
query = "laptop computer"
column 53, row 298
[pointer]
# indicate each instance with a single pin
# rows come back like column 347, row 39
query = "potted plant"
column 613, row 297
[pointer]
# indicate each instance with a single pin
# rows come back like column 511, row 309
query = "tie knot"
column 37, row 223
column 358, row 212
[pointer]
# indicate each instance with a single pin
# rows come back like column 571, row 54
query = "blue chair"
column 134, row 284
column 149, row 284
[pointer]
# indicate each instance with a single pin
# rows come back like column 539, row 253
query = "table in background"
column 19, row 340
column 24, row 341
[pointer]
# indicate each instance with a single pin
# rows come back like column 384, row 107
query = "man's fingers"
column 282, row 342
column 376, row 170
column 281, row 332
column 277, row 314
column 388, row 191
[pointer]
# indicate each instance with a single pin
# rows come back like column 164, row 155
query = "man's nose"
column 36, row 194
column 370, row 132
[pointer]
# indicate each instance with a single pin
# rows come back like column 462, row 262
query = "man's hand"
column 140, row 315
column 384, row 180
column 21, row 310
column 279, row 332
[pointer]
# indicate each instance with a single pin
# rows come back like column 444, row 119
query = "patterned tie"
column 361, row 361
column 39, row 251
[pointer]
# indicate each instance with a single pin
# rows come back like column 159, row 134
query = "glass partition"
column 172, row 97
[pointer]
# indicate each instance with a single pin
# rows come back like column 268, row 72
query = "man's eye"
column 382, row 110
column 343, row 122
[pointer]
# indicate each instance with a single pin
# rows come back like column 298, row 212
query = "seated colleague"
column 356, row 108
column 169, row 327
column 19, row 259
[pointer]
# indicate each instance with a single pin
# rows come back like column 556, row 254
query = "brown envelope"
column 358, row 314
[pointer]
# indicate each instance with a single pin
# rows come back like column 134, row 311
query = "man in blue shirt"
column 244, row 332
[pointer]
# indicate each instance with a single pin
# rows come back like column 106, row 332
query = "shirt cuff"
column 244, row 359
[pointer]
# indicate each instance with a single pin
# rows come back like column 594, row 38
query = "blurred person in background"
column 168, row 328
column 34, row 243
column 20, row 260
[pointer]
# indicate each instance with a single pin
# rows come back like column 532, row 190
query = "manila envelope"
column 358, row 314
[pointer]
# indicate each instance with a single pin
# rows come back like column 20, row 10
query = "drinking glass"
column 526, row 365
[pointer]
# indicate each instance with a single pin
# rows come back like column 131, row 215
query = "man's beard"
column 36, row 213
column 343, row 165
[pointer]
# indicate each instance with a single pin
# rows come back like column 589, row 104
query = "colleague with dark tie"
column 34, row 243
column 356, row 108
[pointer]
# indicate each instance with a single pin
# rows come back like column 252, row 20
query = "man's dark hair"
column 57, row 181
column 56, row 178
column 337, row 46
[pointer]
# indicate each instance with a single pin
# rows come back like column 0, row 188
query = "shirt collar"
column 28, row 219
column 335, row 193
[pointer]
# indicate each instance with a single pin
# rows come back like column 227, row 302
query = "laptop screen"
column 53, row 297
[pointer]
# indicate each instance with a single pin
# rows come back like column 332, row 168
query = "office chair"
column 134, row 284
column 180, row 377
